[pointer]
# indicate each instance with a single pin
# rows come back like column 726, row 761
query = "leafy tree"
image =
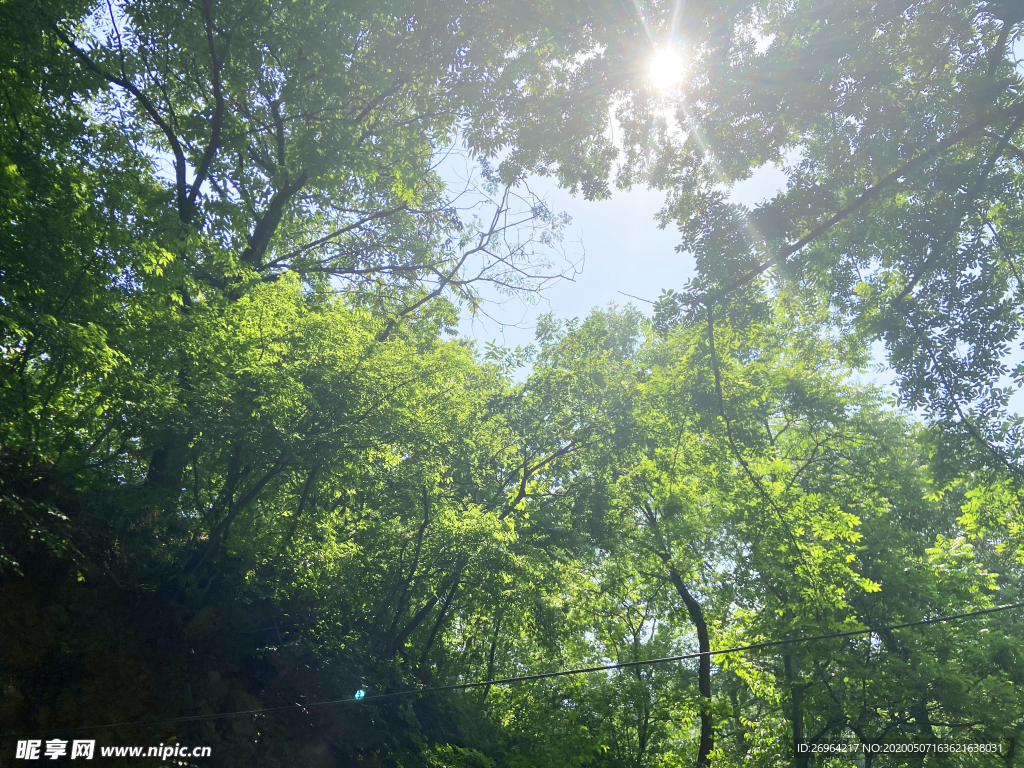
column 244, row 465
column 896, row 123
column 771, row 502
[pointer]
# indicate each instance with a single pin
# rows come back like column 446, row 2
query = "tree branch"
column 867, row 196
column 216, row 124
column 268, row 223
column 181, row 185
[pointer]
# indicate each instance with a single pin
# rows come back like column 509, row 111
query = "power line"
column 564, row 672
column 637, row 297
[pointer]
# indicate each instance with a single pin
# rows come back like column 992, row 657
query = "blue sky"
column 622, row 250
column 624, row 253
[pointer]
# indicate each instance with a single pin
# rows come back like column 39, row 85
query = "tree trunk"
column 796, row 713
column 494, row 648
column 167, row 464
column 707, row 731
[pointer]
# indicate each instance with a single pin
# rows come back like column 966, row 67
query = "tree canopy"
column 247, row 464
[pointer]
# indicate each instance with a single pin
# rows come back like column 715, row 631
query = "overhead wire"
column 301, row 707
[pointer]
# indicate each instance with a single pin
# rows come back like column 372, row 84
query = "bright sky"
column 625, row 253
column 622, row 250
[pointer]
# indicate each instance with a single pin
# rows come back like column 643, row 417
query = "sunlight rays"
column 666, row 70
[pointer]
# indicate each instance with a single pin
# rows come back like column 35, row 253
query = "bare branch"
column 334, row 235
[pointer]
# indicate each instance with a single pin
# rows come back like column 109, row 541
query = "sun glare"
column 666, row 70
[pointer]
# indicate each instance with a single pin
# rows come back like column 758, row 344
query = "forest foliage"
column 246, row 462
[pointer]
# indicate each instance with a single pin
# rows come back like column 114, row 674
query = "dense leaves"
column 245, row 464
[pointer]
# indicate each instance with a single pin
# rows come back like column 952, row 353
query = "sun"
column 666, row 70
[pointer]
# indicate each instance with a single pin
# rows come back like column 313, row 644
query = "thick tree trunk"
column 707, row 731
column 919, row 711
column 167, row 464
